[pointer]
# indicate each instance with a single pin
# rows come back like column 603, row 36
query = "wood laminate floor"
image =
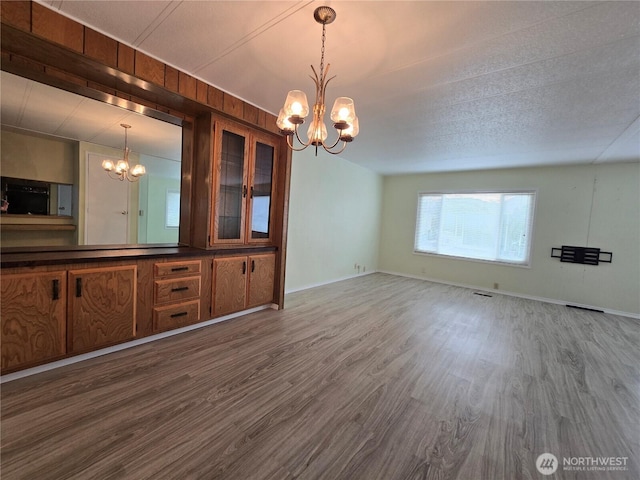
column 378, row 377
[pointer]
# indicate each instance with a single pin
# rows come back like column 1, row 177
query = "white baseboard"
column 328, row 282
column 122, row 346
column 515, row 294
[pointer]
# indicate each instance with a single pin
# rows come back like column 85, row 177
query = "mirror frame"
column 30, row 57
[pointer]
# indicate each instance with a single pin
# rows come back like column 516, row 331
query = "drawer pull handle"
column 180, row 314
column 56, row 290
column 179, row 269
column 179, row 289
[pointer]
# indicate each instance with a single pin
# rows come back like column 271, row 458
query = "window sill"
column 476, row 260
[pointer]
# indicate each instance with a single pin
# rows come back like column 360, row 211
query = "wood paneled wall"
column 138, row 75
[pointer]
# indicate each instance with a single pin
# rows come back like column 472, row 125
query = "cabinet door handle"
column 253, row 266
column 244, row 267
column 55, row 294
column 179, row 269
column 244, row 191
column 79, row 287
column 179, row 289
column 180, row 314
column 251, row 194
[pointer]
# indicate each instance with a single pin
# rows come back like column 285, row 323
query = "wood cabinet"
column 52, row 312
column 101, row 307
column 229, row 285
column 242, row 282
column 244, row 176
column 177, row 291
column 33, row 311
column 260, row 282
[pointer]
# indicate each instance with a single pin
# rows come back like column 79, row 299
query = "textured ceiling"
column 438, row 86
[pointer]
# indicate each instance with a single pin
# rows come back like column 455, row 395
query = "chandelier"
column 120, row 170
column 296, row 107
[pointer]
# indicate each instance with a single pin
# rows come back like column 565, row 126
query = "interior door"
column 106, row 205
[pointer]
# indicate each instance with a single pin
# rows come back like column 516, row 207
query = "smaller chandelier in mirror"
column 120, row 169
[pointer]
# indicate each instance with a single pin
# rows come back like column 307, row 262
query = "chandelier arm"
column 327, row 148
column 306, row 144
column 114, row 175
column 344, row 145
column 315, row 77
column 294, row 148
column 290, row 141
column 324, row 87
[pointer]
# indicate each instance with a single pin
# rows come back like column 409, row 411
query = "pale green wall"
column 596, row 206
column 162, row 174
column 155, row 213
column 334, row 219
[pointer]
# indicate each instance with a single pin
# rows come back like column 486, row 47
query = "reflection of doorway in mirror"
column 106, row 205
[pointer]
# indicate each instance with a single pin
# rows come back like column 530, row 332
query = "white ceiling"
column 438, row 86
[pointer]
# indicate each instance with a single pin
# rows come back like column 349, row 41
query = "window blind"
column 491, row 226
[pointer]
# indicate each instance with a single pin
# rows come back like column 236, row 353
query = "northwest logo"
column 547, row 464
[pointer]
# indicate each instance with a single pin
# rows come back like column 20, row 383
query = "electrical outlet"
column 495, row 286
column 364, row 268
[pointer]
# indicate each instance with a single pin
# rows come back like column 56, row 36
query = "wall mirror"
column 54, row 189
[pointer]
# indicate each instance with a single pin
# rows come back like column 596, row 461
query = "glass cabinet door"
column 261, row 186
column 244, row 173
column 231, row 186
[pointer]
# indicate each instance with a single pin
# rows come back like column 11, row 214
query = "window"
column 172, row 209
column 491, row 226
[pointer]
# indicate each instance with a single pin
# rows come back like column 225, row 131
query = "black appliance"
column 27, row 197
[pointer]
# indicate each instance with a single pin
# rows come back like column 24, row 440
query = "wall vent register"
column 584, row 255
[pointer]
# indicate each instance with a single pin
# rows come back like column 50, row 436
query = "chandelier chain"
column 324, row 29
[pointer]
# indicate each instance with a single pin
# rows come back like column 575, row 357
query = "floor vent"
column 586, row 308
column 482, row 294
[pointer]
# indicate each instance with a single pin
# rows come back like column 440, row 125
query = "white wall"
column 334, row 220
column 593, row 205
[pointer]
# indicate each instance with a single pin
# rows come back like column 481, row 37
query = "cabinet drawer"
column 176, row 316
column 176, row 268
column 171, row 290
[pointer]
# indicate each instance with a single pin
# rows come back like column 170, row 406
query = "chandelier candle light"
column 296, row 107
column 120, row 170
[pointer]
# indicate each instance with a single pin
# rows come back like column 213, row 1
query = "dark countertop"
column 37, row 256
